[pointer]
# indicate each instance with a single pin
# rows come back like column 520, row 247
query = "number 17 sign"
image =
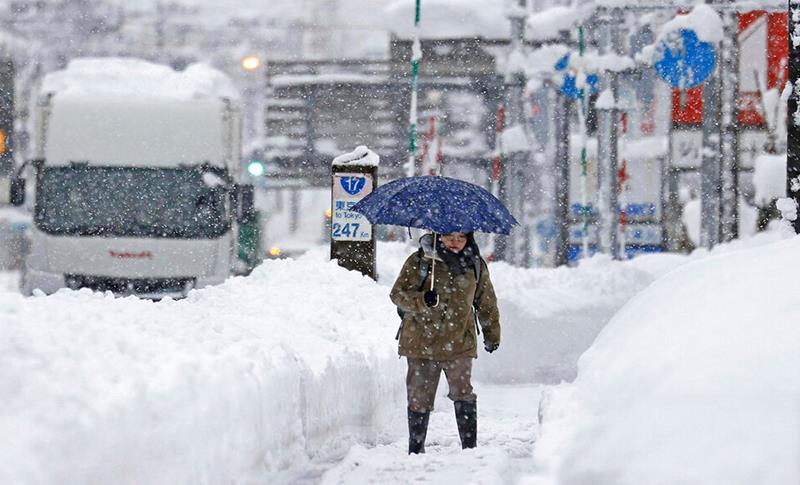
column 346, row 225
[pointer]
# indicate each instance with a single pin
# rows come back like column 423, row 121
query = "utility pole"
column 514, row 177
column 710, row 182
column 607, row 136
column 561, row 114
column 793, row 130
column 720, row 169
column 711, row 169
column 729, row 125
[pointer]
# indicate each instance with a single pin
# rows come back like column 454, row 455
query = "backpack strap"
column 476, row 301
column 478, row 263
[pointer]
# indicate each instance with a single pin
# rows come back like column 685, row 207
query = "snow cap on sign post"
column 703, row 20
column 361, row 156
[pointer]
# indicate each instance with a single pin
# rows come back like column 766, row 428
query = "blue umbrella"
column 441, row 204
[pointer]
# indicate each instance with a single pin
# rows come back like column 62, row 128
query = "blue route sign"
column 683, row 60
column 353, row 185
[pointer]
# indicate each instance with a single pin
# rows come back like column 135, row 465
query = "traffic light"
column 255, row 168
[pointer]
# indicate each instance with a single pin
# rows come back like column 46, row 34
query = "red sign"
column 763, row 64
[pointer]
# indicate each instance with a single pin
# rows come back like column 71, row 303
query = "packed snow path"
column 507, row 425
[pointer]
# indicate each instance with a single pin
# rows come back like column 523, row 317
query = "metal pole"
column 607, row 138
column 710, row 184
column 561, row 115
column 416, row 57
column 729, row 127
column 582, row 115
column 516, row 170
column 793, row 130
column 498, row 242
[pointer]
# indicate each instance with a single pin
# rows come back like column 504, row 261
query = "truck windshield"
column 130, row 202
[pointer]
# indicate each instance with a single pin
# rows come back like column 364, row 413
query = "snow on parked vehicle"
column 693, row 381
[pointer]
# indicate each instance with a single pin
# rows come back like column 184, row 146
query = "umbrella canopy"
column 441, row 204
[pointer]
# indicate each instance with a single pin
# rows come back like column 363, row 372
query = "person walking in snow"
column 439, row 331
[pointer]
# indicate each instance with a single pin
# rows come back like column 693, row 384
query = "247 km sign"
column 346, row 225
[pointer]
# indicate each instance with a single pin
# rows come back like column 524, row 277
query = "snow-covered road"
column 507, row 424
column 301, row 378
column 278, row 379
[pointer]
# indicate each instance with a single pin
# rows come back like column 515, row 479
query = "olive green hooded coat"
column 448, row 330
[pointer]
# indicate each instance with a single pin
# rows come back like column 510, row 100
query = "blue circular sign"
column 683, row 60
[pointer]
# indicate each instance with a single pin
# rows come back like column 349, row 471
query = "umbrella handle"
column 433, row 265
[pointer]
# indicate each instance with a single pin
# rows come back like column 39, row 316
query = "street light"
column 251, row 63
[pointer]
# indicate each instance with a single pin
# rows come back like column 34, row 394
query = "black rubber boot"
column 417, row 429
column 467, row 421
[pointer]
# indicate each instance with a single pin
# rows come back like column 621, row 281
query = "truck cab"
column 136, row 180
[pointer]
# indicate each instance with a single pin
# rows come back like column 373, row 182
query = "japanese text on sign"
column 348, row 189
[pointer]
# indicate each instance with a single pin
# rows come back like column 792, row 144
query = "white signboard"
column 642, row 190
column 346, row 225
column 686, row 148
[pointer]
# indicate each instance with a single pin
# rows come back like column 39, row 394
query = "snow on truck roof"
column 118, row 76
column 128, row 112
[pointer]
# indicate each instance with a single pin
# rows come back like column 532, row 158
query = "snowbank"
column 234, row 383
column 692, row 382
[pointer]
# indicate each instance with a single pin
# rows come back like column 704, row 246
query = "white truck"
column 136, row 172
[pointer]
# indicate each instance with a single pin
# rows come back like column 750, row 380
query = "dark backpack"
column 424, row 270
